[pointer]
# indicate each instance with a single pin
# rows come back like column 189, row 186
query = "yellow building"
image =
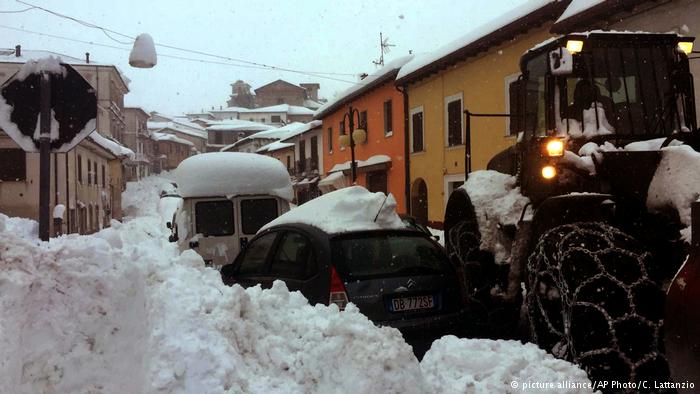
column 473, row 73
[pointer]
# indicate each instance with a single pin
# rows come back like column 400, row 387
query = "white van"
column 226, row 198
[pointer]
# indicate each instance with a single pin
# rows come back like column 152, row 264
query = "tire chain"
column 600, row 312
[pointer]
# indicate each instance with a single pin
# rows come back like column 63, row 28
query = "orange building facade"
column 381, row 159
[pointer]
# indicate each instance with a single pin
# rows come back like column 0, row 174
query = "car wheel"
column 591, row 301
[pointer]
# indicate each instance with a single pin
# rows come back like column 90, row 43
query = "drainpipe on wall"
column 407, row 158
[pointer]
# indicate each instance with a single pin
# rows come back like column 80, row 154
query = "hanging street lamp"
column 356, row 136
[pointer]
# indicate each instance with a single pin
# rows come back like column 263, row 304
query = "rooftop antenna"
column 384, row 48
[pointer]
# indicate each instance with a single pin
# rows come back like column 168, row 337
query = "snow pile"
column 232, row 174
column 497, row 201
column 50, row 64
column 111, row 145
column 456, row 365
column 676, row 183
column 593, row 125
column 123, row 311
column 350, row 209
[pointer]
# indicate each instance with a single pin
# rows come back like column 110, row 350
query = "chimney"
column 87, row 57
column 18, row 51
column 311, row 90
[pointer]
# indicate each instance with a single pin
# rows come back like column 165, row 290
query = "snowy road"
column 123, row 311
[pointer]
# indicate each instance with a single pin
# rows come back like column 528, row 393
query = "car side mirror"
column 169, row 225
column 172, row 238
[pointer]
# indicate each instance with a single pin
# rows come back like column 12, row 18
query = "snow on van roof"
column 353, row 208
column 232, row 173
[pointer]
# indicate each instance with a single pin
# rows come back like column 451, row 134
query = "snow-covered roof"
column 584, row 13
column 281, row 133
column 504, row 27
column 370, row 82
column 8, row 55
column 237, row 124
column 156, row 136
column 313, row 104
column 231, row 109
column 177, row 126
column 232, row 174
column 283, row 108
column 576, row 7
column 372, row 160
column 275, row 146
column 350, row 209
column 112, row 146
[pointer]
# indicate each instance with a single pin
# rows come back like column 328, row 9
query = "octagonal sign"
column 73, row 105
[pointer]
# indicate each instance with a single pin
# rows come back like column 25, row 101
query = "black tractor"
column 587, row 263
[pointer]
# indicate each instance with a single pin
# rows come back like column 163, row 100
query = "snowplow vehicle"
column 572, row 237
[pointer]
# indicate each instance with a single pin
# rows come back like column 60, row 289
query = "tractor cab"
column 595, row 88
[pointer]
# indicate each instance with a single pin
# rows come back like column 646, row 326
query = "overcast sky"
column 306, row 35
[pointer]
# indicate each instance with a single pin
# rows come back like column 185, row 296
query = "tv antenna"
column 384, row 48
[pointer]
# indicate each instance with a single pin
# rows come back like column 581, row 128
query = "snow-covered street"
column 123, row 311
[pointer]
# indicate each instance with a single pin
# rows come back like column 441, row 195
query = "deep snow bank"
column 121, row 311
column 456, row 365
column 676, row 183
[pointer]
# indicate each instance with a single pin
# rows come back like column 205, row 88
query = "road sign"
column 73, row 107
column 47, row 107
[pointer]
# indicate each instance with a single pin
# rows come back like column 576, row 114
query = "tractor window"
column 535, row 97
column 619, row 90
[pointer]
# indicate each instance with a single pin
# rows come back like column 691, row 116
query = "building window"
column 314, row 153
column 89, row 174
column 289, row 162
column 13, row 165
column 416, row 125
column 341, row 128
column 302, row 156
column 262, row 120
column 94, row 172
column 450, row 184
column 453, row 119
column 330, row 139
column 388, row 126
column 80, row 169
column 89, row 218
column 103, row 176
column 363, row 124
column 276, row 119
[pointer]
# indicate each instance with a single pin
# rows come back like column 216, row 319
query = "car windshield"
column 373, row 255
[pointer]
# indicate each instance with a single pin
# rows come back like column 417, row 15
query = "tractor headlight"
column 686, row 47
column 555, row 148
column 549, row 172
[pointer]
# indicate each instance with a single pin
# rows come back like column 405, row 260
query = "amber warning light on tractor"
column 555, row 148
column 549, row 172
column 574, row 46
column 686, row 47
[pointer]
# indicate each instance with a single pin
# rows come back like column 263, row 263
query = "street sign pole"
column 45, row 156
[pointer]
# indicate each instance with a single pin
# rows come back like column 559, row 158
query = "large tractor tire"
column 591, row 301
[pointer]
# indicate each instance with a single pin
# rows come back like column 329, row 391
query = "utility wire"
column 106, row 31
column 311, row 74
column 18, row 11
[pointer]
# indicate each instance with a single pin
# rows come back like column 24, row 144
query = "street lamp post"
column 354, row 137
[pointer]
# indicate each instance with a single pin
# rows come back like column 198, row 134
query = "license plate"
column 411, row 303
